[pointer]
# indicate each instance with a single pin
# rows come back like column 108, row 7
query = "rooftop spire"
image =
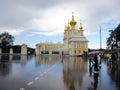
column 73, row 22
column 72, row 16
column 81, row 26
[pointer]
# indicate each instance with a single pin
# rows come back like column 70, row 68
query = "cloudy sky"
column 35, row 21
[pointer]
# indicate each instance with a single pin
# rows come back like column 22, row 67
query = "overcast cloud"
column 48, row 17
column 51, row 15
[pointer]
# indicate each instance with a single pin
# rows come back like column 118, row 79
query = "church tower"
column 75, row 43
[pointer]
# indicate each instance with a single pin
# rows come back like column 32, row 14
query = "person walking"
column 96, row 64
column 90, row 67
column 99, row 61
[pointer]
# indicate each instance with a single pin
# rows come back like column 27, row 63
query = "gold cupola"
column 73, row 22
column 68, row 26
column 81, row 26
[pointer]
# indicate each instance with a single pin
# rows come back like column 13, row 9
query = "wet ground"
column 56, row 73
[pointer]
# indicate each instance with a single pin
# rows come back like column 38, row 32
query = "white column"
column 39, row 51
column 24, row 49
column 11, row 51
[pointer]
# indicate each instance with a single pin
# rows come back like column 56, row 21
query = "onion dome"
column 73, row 22
column 68, row 26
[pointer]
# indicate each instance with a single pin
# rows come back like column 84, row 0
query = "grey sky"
column 18, row 14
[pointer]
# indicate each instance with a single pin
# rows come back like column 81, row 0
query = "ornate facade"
column 75, row 43
column 74, row 40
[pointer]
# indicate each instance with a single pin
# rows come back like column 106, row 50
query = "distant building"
column 48, row 48
column 75, row 43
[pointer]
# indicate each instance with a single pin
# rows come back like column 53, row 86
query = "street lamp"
column 100, row 39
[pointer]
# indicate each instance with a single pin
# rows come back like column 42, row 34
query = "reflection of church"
column 74, row 70
column 75, row 43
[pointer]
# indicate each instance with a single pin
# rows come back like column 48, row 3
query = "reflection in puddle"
column 47, row 60
column 70, row 73
column 23, row 59
column 74, row 69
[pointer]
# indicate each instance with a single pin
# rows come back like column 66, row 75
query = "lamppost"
column 100, row 39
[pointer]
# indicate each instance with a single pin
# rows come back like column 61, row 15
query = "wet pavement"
column 56, row 73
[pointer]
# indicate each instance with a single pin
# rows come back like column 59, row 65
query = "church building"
column 74, row 42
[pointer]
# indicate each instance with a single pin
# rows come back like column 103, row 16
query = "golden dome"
column 65, row 28
column 81, row 27
column 68, row 26
column 73, row 22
